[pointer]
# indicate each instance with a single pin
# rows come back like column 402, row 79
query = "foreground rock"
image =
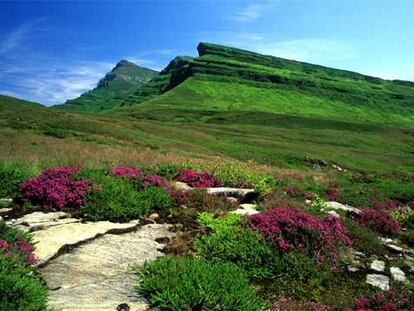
column 53, row 231
column 97, row 275
column 39, row 220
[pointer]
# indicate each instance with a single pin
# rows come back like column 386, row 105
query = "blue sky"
column 53, row 51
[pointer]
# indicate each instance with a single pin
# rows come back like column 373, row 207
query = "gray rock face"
column 343, row 207
column 378, row 265
column 53, row 238
column 246, row 209
column 97, row 275
column 242, row 194
column 39, row 221
column 397, row 274
column 181, row 186
column 379, row 280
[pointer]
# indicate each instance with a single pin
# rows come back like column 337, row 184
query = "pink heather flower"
column 154, row 180
column 4, row 246
column 126, row 171
column 200, row 180
column 56, row 188
column 295, row 229
column 378, row 221
column 332, row 194
column 292, row 190
column 385, row 301
column 310, row 195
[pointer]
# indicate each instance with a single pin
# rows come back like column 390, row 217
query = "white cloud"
column 13, row 39
column 57, row 82
column 252, row 11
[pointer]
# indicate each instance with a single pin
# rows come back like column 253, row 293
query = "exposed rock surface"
column 97, row 275
column 397, row 274
column 181, row 186
column 246, row 209
column 243, row 195
column 39, row 220
column 378, row 265
column 52, row 232
column 339, row 206
column 379, row 280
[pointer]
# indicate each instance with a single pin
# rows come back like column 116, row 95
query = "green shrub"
column 11, row 234
column 229, row 242
column 12, row 175
column 404, row 216
column 242, row 247
column 117, row 199
column 20, row 289
column 172, row 283
column 235, row 174
column 218, row 224
column 363, row 238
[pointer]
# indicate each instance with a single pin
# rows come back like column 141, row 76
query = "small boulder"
column 397, row 274
column 339, row 206
column 378, row 265
column 378, row 280
column 181, row 186
column 243, row 195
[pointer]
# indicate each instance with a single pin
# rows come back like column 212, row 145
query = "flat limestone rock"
column 181, row 186
column 50, row 240
column 378, row 265
column 246, row 209
column 343, row 207
column 379, row 280
column 397, row 274
column 241, row 194
column 97, row 275
column 38, row 217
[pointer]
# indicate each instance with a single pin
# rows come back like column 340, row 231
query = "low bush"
column 126, row 171
column 199, row 180
column 405, row 216
column 145, row 181
column 380, row 222
column 292, row 229
column 20, row 288
column 172, row 283
column 229, row 242
column 12, row 176
column 117, row 199
column 364, row 239
column 393, row 300
column 235, row 174
column 17, row 244
column 56, row 188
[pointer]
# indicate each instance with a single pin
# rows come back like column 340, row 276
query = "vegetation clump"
column 57, row 188
column 174, row 283
column 378, row 221
column 20, row 288
column 199, row 180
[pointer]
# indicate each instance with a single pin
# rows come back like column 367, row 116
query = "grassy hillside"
column 226, row 79
column 111, row 90
column 274, row 112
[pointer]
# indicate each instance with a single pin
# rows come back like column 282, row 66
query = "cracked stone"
column 97, row 275
column 378, row 265
column 397, row 274
column 379, row 280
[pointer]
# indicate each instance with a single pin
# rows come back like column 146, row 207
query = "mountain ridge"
column 116, row 85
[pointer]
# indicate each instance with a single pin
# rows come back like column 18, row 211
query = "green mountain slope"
column 111, row 90
column 224, row 79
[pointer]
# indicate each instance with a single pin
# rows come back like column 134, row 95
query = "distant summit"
column 112, row 89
